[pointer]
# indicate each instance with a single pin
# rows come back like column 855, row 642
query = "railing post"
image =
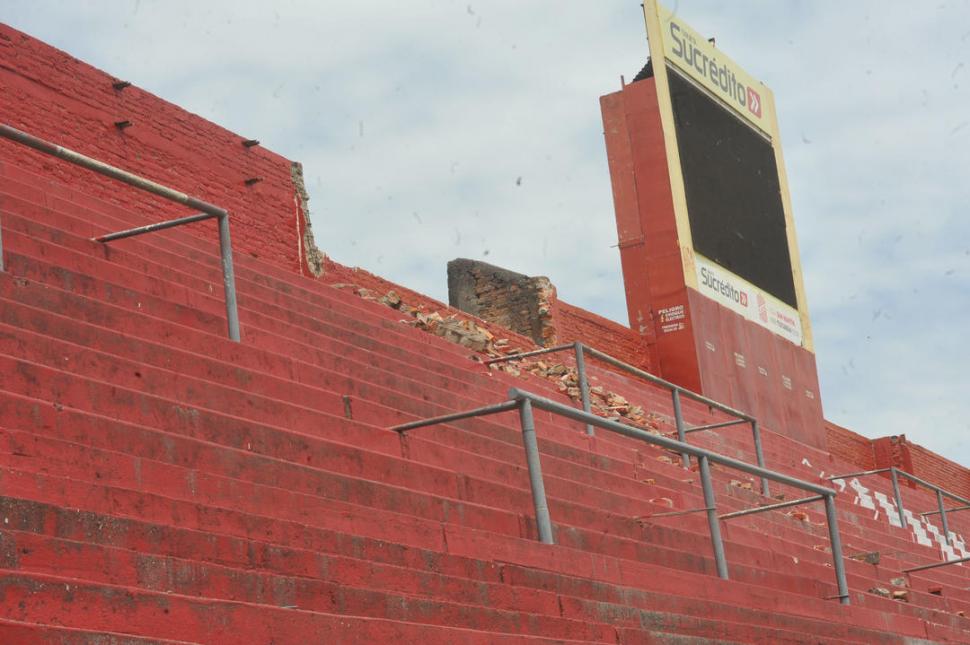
column 896, row 494
column 836, row 543
column 759, row 454
column 228, row 277
column 946, row 528
column 712, row 520
column 583, row 384
column 543, row 522
column 679, row 420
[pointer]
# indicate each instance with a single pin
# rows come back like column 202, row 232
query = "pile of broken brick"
column 462, row 330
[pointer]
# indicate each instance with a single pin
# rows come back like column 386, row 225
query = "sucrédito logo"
column 723, row 287
column 685, row 47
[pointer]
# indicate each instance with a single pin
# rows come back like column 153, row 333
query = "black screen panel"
column 733, row 196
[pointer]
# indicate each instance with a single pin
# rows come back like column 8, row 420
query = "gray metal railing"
column 894, row 475
column 936, row 565
column 524, row 402
column 209, row 211
column 581, row 351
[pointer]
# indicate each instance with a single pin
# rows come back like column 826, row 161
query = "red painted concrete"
column 161, row 484
column 50, row 94
column 706, row 347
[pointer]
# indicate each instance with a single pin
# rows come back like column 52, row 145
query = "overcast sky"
column 431, row 130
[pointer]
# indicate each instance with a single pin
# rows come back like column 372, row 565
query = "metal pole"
column 457, row 416
column 228, row 278
column 952, row 509
column 109, row 171
column 899, row 498
column 936, row 564
column 759, row 455
column 538, row 352
column 715, row 426
column 946, row 528
column 836, row 544
column 923, row 482
column 712, row 521
column 543, row 522
column 583, row 384
column 773, row 507
column 647, row 376
column 679, row 420
column 859, row 474
column 151, row 228
column 664, row 442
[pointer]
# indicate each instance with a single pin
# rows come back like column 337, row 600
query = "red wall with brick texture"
column 573, row 323
column 850, row 446
column 939, row 470
column 47, row 93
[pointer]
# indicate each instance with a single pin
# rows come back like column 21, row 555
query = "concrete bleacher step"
column 566, row 596
column 287, row 324
column 13, row 632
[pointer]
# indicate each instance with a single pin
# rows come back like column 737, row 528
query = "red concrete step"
column 645, row 606
column 563, row 617
column 24, row 515
column 58, row 600
column 14, row 632
column 54, row 300
column 199, row 482
column 155, row 275
column 523, row 504
column 216, row 306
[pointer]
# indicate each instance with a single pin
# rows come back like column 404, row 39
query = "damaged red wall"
column 47, row 93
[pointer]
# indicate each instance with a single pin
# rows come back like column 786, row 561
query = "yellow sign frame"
column 666, row 34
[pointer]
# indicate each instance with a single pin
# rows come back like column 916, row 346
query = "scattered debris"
column 881, row 591
column 746, row 485
column 462, row 330
column 870, row 557
column 392, row 300
column 936, row 591
column 663, row 501
column 898, row 582
column 901, row 595
column 665, row 459
column 798, row 515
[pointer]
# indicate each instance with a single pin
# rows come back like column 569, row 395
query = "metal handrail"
column 208, row 211
column 525, row 401
column 894, row 475
column 936, row 565
column 581, row 351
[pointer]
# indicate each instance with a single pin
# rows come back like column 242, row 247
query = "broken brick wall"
column 573, row 323
column 373, row 287
column 49, row 94
column 529, row 306
column 515, row 301
column 850, row 446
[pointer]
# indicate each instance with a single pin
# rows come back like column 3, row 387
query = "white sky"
column 431, row 130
